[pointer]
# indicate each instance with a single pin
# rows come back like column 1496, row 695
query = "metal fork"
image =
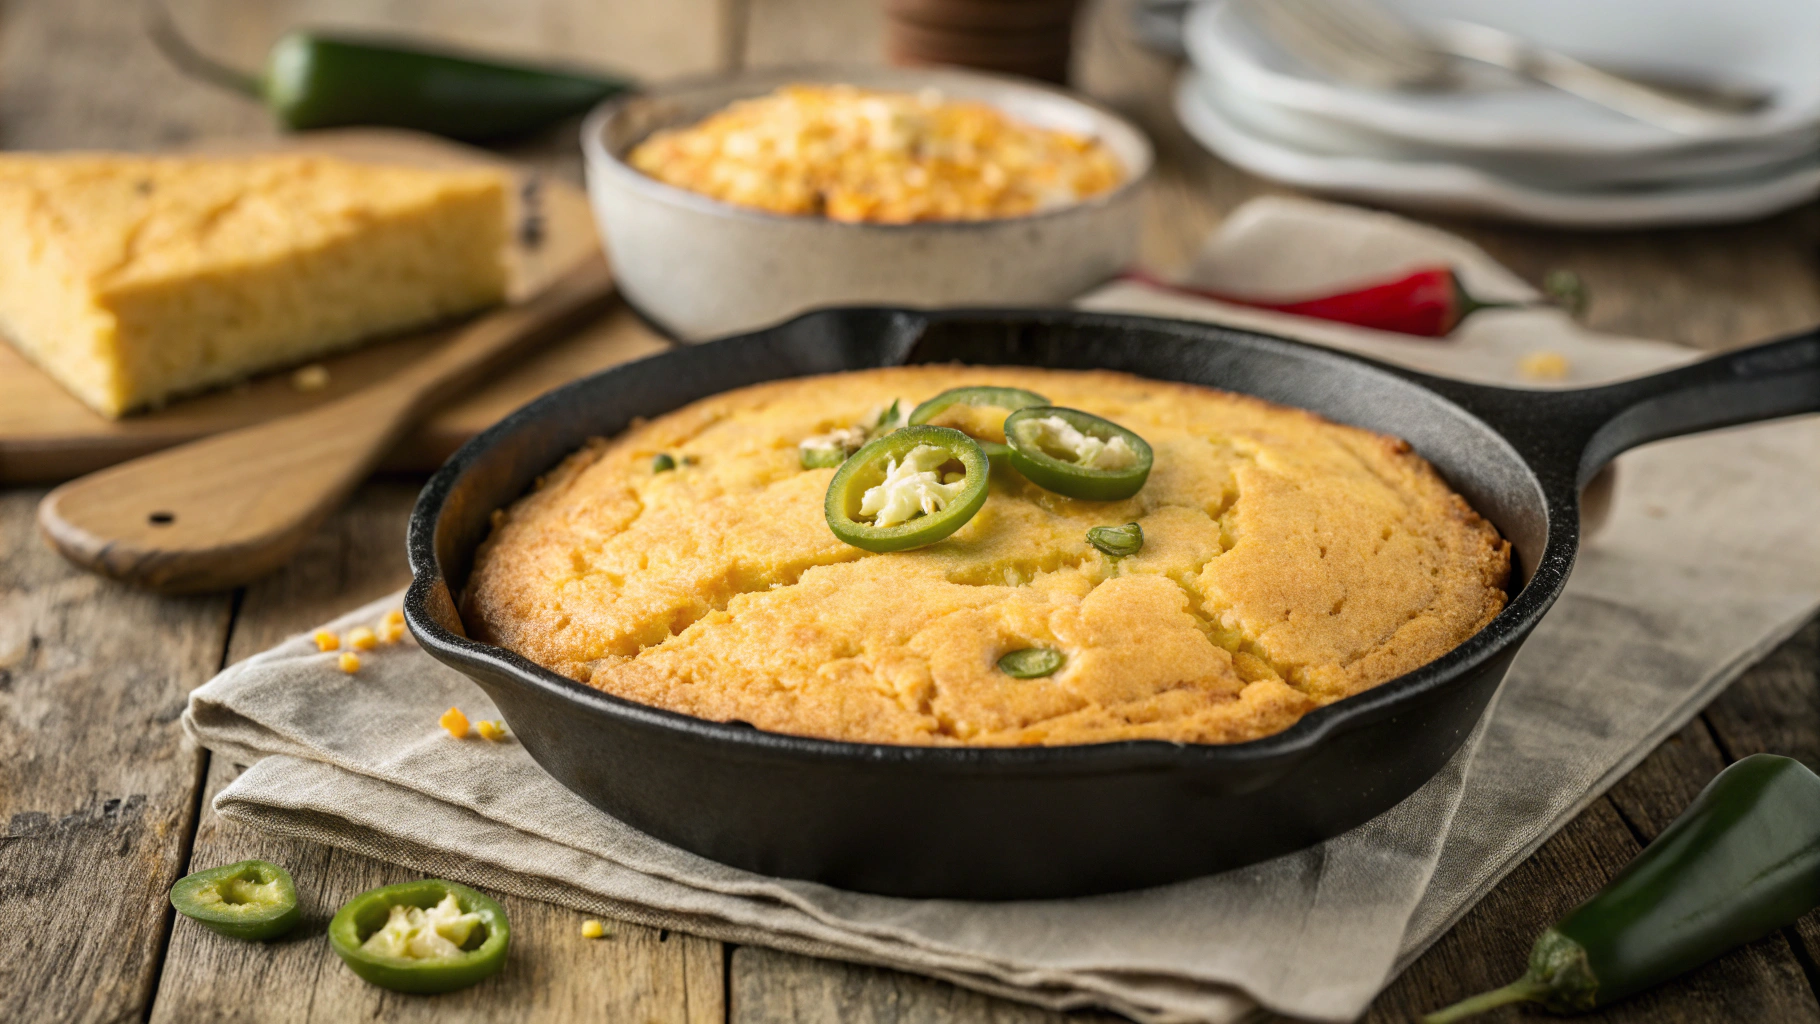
column 1358, row 41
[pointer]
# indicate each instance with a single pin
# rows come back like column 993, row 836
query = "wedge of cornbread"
column 133, row 279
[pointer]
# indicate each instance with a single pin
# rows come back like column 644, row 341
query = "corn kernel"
column 326, row 641
column 362, row 638
column 591, row 929
column 1544, row 365
column 494, row 731
column 313, row 377
column 350, row 662
column 454, row 721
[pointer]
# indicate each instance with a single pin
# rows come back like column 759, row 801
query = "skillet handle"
column 1764, row 382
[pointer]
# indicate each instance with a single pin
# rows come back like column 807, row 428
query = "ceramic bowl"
column 700, row 268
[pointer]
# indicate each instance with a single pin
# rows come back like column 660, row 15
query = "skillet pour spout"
column 1037, row 822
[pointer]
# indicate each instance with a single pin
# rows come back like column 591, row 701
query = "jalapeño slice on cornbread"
column 134, row 279
column 1272, row 562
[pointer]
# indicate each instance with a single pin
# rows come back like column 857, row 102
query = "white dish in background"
column 1773, row 41
column 1319, row 134
column 1456, row 188
column 702, row 268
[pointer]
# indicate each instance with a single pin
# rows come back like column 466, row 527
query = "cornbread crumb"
column 854, row 154
column 1544, row 365
column 454, row 721
column 349, row 662
column 494, row 731
column 592, row 929
column 313, row 377
column 326, row 641
column 1288, row 562
column 362, row 638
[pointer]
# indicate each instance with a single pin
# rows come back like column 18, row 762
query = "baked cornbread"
column 1287, row 562
column 133, row 279
column 854, row 154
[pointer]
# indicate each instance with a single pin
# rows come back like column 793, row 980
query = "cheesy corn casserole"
column 854, row 154
column 1273, row 562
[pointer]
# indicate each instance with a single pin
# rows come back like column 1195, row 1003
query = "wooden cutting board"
column 46, row 435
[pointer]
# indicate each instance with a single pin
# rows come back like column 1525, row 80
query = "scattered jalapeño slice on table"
column 254, row 900
column 426, row 936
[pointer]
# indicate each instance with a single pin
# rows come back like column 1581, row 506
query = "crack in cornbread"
column 1287, row 562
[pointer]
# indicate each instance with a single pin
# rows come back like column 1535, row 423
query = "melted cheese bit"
column 1052, row 433
column 412, row 933
column 912, row 487
column 846, row 441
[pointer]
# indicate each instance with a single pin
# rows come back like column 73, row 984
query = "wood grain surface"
column 104, row 804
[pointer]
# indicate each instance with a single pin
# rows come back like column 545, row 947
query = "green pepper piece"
column 254, row 900
column 1032, row 663
column 889, row 419
column 319, row 80
column 1054, row 468
column 867, row 469
column 481, row 955
column 663, row 462
column 1740, row 862
column 1008, row 399
column 1117, row 541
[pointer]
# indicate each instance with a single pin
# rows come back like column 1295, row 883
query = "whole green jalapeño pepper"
column 907, row 489
column 426, row 937
column 1076, row 453
column 254, row 900
column 321, row 80
column 1008, row 399
column 1740, row 862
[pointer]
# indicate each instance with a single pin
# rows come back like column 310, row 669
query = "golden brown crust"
column 1288, row 562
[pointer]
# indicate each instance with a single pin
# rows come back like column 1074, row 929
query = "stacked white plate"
column 1503, row 147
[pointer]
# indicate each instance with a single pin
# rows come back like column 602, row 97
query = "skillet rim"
column 1509, row 628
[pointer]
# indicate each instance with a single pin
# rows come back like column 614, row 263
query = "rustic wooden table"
column 106, row 804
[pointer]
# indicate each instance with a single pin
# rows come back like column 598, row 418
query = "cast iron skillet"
column 1060, row 821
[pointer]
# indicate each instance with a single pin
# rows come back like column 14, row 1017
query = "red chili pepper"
column 1427, row 303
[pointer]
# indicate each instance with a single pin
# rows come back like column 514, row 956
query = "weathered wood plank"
column 771, row 987
column 806, row 33
column 1775, row 709
column 97, row 785
column 554, row 974
column 1490, row 946
column 82, row 74
column 644, row 40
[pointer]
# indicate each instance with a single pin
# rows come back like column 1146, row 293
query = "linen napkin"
column 1708, row 562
